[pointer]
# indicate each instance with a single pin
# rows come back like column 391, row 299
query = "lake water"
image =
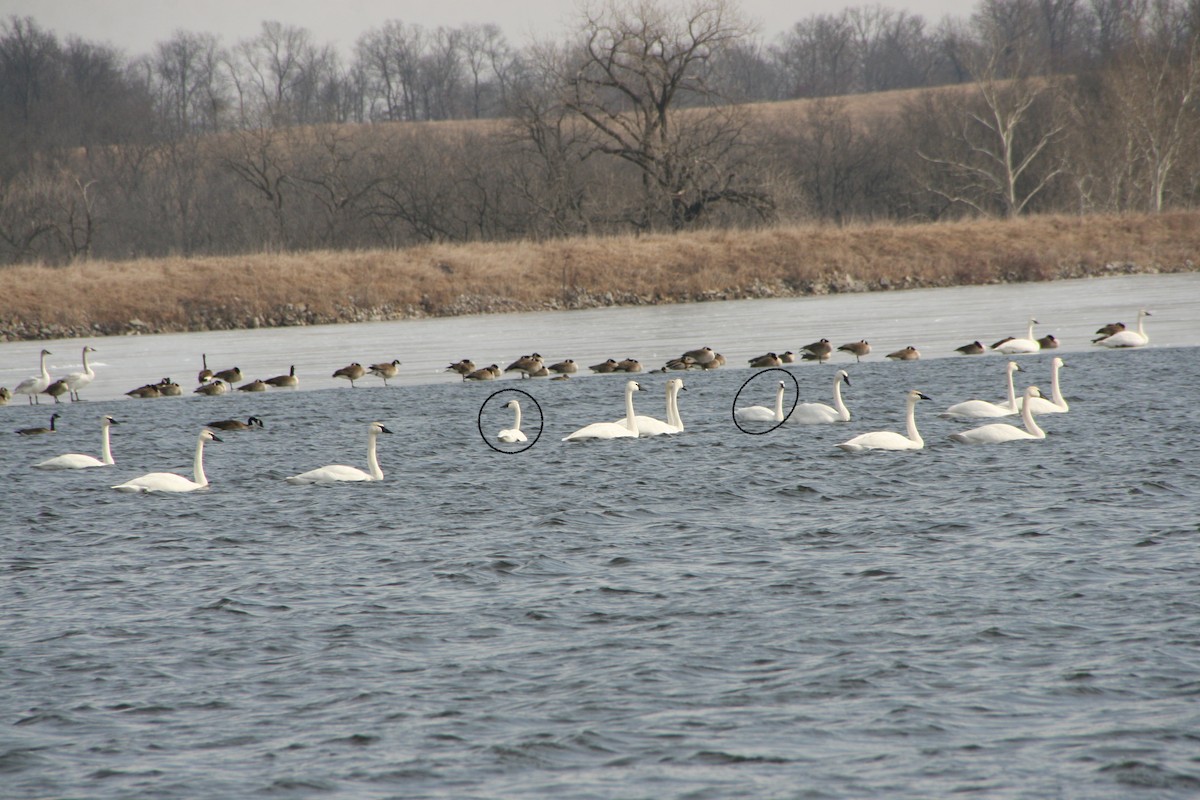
column 712, row 615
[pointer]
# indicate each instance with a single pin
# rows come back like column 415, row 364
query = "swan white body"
column 513, row 434
column 1136, row 338
column 982, row 409
column 649, row 426
column 819, row 413
column 611, row 430
column 36, row 385
column 998, row 432
column 762, row 413
column 337, row 473
column 1020, row 346
column 169, row 481
column 81, row 460
column 78, row 380
column 889, row 440
column 1057, row 404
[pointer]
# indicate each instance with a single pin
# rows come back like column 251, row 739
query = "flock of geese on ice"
column 1031, row 402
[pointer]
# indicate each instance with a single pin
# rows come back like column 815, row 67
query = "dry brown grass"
column 304, row 288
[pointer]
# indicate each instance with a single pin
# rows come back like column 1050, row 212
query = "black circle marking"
column 759, row 374
column 541, row 422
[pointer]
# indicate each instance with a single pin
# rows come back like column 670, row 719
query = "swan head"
column 914, row 396
column 632, row 386
column 1033, row 391
column 1014, row 367
column 378, row 428
column 208, row 436
column 512, row 404
column 679, row 387
column 1058, row 362
column 107, row 420
column 843, row 376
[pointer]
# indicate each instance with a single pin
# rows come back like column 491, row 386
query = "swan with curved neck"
column 1057, row 404
column 35, row 386
column 169, row 481
column 890, row 440
column 1018, row 346
column 982, row 409
column 819, row 413
column 650, row 426
column 513, row 434
column 82, row 460
column 998, row 432
column 336, row 473
column 628, row 429
column 762, row 413
column 78, row 380
column 1129, row 338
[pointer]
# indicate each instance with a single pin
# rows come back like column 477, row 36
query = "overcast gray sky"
column 136, row 25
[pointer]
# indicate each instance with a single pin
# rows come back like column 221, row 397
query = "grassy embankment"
column 102, row 298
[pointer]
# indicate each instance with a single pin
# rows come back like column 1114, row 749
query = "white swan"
column 1057, row 404
column 78, row 380
column 340, row 472
column 1018, row 346
column 1136, row 338
column 762, row 413
column 35, row 386
column 982, row 409
column 819, row 413
column 611, row 430
column 1002, row 431
column 649, row 426
column 889, row 440
column 513, row 434
column 80, row 460
column 169, row 481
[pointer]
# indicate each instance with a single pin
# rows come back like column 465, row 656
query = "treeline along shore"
column 103, row 298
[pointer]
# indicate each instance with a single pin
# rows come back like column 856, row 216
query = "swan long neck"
column 913, row 433
column 105, row 446
column 517, row 415
column 1056, row 396
column 1030, row 334
column 372, row 459
column 1141, row 317
column 779, row 404
column 46, row 372
column 1027, row 417
column 673, row 417
column 838, row 405
column 1012, row 393
column 197, row 461
column 86, row 369
column 630, row 418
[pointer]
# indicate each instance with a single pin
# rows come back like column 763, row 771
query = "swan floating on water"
column 1128, row 338
column 889, row 440
column 1057, row 404
column 819, row 413
column 513, row 434
column 649, row 426
column 611, row 430
column 997, row 432
column 982, row 409
column 762, row 413
column 335, row 473
column 81, row 460
column 1011, row 346
column 169, row 481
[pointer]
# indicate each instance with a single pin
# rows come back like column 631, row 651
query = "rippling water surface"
column 713, row 615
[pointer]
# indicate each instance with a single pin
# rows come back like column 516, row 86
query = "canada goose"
column 1128, row 338
column 335, row 473
column 212, row 388
column 909, row 353
column 565, row 367
column 146, row 391
column 525, row 364
column 168, row 388
column 169, row 481
column 205, row 374
column 858, row 349
column 608, row 366
column 236, row 424
column 5, row 395
column 284, row 381
column 890, row 440
column 1017, row 346
column 681, row 363
column 463, row 367
column 489, row 373
column 716, row 362
column 1108, row 330
column 701, row 356
column 767, row 360
column 787, row 357
column 57, row 389
column 35, row 431
column 81, row 460
column 629, row 365
column 253, row 386
column 1048, row 342
column 35, row 386
column 230, row 376
column 817, row 351
column 78, row 380
column 972, row 349
column 351, row 373
column 540, row 372
column 385, row 370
